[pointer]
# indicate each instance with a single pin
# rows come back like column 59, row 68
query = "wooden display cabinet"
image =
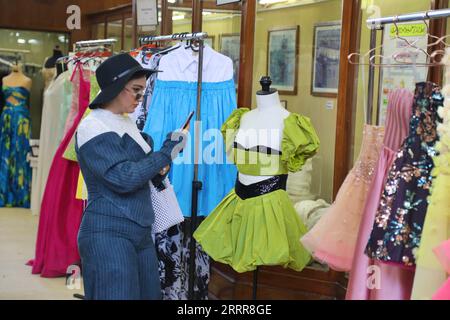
column 277, row 283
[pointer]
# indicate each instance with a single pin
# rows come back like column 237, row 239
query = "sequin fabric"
column 403, row 205
column 258, row 189
column 364, row 168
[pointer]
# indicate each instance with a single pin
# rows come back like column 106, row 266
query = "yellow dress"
column 430, row 275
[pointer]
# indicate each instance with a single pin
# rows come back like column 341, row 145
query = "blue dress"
column 171, row 103
column 15, row 129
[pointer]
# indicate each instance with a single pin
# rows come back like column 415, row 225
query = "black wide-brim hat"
column 113, row 74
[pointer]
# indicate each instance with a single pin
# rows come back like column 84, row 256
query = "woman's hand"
column 164, row 170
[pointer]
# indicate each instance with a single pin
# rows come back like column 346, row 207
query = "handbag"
column 165, row 206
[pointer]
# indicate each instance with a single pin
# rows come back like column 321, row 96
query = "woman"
column 117, row 253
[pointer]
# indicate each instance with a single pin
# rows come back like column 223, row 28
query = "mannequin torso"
column 262, row 126
column 17, row 79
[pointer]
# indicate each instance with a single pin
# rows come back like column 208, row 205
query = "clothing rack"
column 378, row 24
column 196, row 185
column 93, row 43
column 173, row 37
column 15, row 53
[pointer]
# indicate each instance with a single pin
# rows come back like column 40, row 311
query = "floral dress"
column 15, row 129
column 400, row 216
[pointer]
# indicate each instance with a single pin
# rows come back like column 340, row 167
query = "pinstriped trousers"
column 118, row 259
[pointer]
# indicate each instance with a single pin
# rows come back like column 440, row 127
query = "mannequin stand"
column 255, row 283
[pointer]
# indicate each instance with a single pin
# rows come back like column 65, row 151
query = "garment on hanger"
column 54, row 108
column 59, row 221
column 70, row 153
column 172, row 248
column 395, row 282
column 400, row 216
column 430, row 275
column 73, row 111
column 174, row 97
column 333, row 239
column 49, row 75
column 140, row 113
column 15, row 131
column 257, row 224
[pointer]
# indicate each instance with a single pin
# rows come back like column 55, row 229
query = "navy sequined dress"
column 401, row 214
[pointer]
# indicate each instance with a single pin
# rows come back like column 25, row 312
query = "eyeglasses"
column 138, row 94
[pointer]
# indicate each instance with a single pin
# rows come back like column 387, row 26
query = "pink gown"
column 394, row 283
column 59, row 221
column 443, row 254
column 332, row 240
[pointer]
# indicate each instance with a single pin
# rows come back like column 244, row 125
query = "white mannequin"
column 267, row 121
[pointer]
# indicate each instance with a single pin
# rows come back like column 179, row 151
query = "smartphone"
column 187, row 120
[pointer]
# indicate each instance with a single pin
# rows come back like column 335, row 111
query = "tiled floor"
column 18, row 230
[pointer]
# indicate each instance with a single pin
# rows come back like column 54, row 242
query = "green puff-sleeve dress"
column 257, row 225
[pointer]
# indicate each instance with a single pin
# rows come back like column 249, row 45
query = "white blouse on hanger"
column 182, row 65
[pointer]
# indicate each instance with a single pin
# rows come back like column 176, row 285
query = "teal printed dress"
column 15, row 129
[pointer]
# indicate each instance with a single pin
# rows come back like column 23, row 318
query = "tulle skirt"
column 332, row 240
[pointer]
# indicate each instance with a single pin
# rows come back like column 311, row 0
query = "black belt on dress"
column 260, row 188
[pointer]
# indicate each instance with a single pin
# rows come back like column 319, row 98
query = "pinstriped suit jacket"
column 117, row 173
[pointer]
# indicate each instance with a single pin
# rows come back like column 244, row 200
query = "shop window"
column 297, row 44
column 181, row 19
column 151, row 30
column 224, row 29
column 386, row 78
column 98, row 30
column 114, row 31
column 128, row 34
column 31, row 49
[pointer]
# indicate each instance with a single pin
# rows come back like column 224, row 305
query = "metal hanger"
column 400, row 57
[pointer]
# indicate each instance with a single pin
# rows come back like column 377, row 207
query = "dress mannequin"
column 50, row 65
column 268, row 121
column 256, row 223
column 17, row 79
column 50, row 62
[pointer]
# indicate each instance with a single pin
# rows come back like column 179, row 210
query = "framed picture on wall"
column 282, row 58
column 211, row 41
column 326, row 54
column 230, row 45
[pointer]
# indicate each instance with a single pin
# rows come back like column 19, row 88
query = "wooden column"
column 197, row 8
column 347, row 94
column 246, row 54
column 166, row 18
column 135, row 30
column 438, row 28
